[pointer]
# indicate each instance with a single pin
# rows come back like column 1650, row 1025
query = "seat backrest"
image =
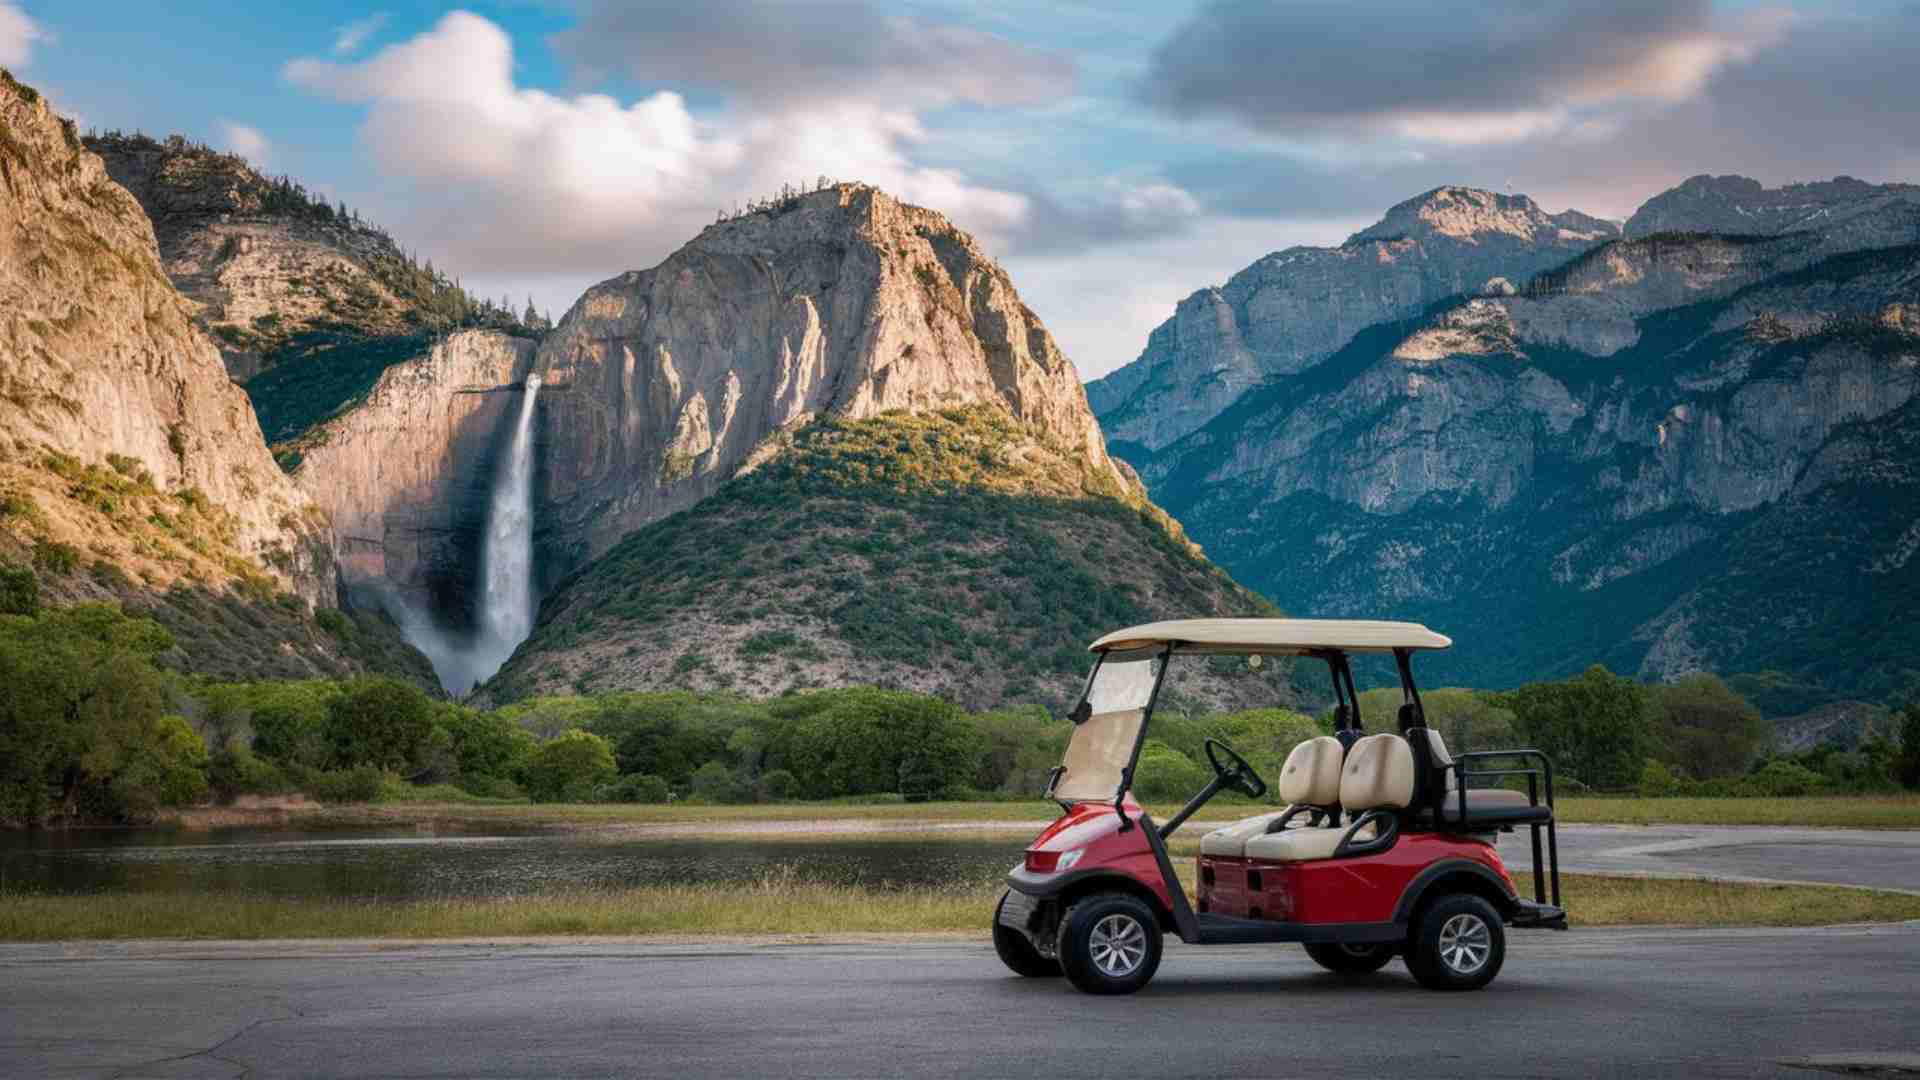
column 1379, row 775
column 1431, row 762
column 1311, row 776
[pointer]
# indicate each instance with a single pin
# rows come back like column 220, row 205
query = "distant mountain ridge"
column 1296, row 307
column 1683, row 449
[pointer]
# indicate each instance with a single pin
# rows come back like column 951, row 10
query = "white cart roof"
column 1274, row 636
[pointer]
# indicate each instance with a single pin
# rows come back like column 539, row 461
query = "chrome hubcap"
column 1118, row 945
column 1465, row 944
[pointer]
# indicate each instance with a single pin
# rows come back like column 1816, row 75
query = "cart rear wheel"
column 1458, row 943
column 1017, row 952
column 1109, row 944
column 1351, row 959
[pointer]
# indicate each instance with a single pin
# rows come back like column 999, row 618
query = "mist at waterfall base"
column 507, row 602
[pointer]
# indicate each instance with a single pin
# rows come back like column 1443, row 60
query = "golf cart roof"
column 1273, row 636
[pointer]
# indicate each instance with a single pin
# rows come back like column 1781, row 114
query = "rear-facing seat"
column 1310, row 780
column 1379, row 775
column 1485, row 806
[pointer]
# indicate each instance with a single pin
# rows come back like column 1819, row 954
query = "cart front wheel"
column 1351, row 959
column 1017, row 952
column 1109, row 944
column 1458, row 943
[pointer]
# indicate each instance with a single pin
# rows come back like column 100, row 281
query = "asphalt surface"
column 1643, row 1003
column 1876, row 858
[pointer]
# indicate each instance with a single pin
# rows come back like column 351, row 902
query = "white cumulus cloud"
column 18, row 35
column 509, row 179
column 245, row 140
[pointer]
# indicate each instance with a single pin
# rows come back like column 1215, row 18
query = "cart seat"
column 1300, row 845
column 1485, row 806
column 1310, row 779
column 1378, row 775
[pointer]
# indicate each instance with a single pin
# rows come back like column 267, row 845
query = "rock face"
column 406, row 476
column 741, row 445
column 1678, row 451
column 845, row 302
column 100, row 356
column 1737, row 206
column 307, row 302
column 1294, row 308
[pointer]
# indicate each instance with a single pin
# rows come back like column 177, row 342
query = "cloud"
column 783, row 53
column 18, row 35
column 1499, row 72
column 246, row 141
column 348, row 38
column 520, row 183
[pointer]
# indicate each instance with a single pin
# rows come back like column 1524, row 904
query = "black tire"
column 1109, row 944
column 1018, row 953
column 1458, row 943
column 1352, row 959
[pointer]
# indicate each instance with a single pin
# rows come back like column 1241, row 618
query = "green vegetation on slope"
column 959, row 553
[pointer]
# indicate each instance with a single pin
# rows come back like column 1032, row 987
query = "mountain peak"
column 1743, row 206
column 1468, row 215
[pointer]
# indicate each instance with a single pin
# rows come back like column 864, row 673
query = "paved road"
column 1643, row 1003
column 1880, row 858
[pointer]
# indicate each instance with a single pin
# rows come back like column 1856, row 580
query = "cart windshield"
column 1102, row 744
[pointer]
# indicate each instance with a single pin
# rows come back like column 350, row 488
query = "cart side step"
column 1533, row 916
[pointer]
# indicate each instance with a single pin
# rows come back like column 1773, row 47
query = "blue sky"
column 1115, row 157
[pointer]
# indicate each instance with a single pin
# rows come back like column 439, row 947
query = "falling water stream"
column 507, row 601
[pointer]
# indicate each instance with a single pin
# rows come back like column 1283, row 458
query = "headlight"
column 1066, row 861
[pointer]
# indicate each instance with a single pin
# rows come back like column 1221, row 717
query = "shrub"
column 1784, row 778
column 55, row 558
column 1906, row 767
column 569, row 767
column 639, row 788
column 715, row 783
column 379, row 722
column 19, row 591
column 362, row 783
column 1657, row 781
column 777, row 785
column 1167, row 775
column 235, row 769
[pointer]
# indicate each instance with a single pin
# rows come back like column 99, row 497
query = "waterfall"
column 507, row 600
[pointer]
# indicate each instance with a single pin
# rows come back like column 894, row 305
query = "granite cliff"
column 307, row 302
column 1690, row 448
column 131, row 468
column 764, row 356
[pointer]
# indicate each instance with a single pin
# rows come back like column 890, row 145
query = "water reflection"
column 403, row 864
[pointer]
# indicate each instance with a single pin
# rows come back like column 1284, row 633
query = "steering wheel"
column 1240, row 777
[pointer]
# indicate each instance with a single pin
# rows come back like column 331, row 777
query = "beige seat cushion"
column 1378, row 775
column 1300, row 845
column 1311, row 776
column 1231, row 840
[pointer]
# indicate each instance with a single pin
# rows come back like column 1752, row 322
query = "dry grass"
column 781, row 905
column 1858, row 811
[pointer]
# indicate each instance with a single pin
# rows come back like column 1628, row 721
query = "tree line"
column 93, row 728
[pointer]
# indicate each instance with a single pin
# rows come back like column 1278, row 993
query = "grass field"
column 782, row 905
column 1860, row 812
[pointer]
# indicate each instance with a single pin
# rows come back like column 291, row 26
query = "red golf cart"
column 1386, row 847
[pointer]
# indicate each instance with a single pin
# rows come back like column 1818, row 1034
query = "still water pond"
column 406, row 864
